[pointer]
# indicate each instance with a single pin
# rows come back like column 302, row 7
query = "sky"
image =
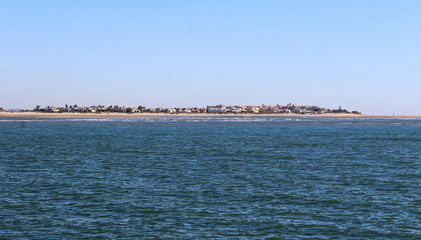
column 360, row 55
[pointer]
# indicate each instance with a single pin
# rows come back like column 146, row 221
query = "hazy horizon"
column 360, row 55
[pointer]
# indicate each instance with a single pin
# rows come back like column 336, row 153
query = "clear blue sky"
column 363, row 55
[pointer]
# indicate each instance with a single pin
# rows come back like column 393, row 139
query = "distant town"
column 216, row 109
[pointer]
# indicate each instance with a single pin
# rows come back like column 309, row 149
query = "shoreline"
column 164, row 115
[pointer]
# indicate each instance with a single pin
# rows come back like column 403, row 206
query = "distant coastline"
column 101, row 111
column 32, row 114
column 220, row 108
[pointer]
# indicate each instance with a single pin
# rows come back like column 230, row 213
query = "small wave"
column 89, row 119
column 23, row 120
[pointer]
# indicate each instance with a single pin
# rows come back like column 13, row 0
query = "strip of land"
column 164, row 115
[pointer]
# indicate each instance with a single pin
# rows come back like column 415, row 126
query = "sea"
column 210, row 178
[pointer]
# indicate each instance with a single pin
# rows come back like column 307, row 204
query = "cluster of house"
column 262, row 109
column 265, row 109
column 91, row 109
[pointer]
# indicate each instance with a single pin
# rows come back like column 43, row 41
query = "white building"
column 217, row 109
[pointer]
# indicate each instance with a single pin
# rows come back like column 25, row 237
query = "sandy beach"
column 163, row 115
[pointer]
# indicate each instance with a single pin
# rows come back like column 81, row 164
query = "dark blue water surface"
column 210, row 178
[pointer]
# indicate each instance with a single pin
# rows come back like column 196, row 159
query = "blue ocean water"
column 210, row 178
